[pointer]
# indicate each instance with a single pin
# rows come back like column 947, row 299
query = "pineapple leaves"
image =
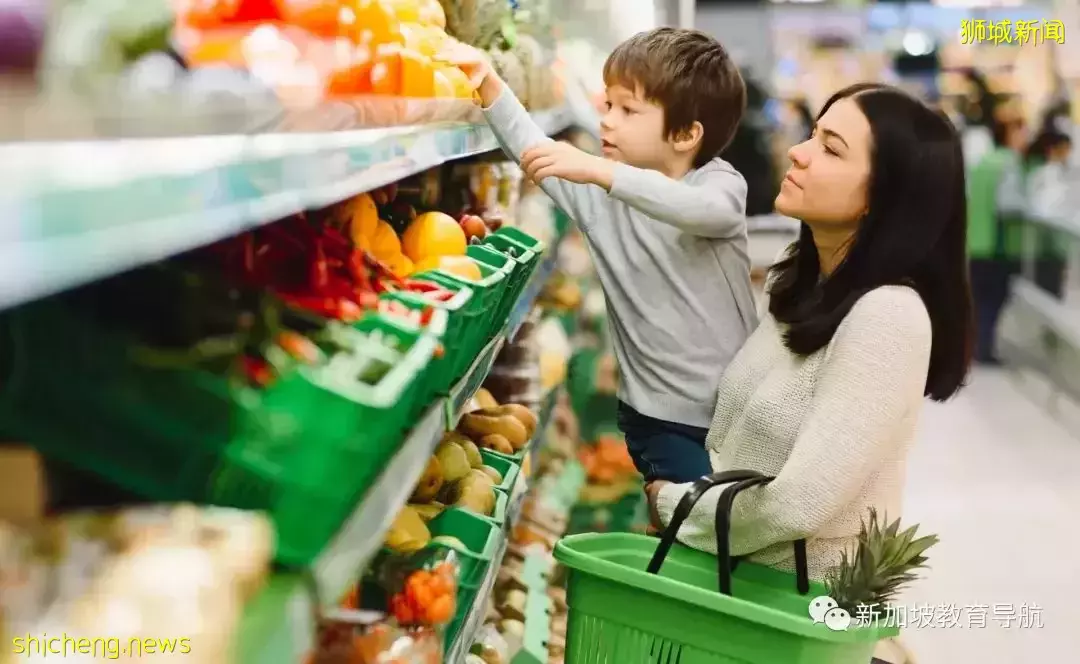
column 882, row 564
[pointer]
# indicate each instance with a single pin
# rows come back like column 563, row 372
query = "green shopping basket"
column 634, row 601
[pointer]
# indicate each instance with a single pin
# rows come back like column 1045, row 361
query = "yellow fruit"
column 459, row 81
column 407, row 11
column 403, row 267
column 364, row 219
column 444, row 89
column 433, row 234
column 384, row 243
column 432, row 13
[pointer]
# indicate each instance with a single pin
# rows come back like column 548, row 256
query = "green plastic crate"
column 514, row 277
column 439, row 375
column 521, row 237
column 302, row 449
column 506, row 467
column 465, row 315
column 479, row 536
column 526, row 259
column 621, row 613
column 487, row 292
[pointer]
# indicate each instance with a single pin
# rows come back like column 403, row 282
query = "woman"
column 997, row 203
column 868, row 313
column 1049, row 182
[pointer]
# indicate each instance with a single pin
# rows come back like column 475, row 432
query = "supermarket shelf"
column 475, row 619
column 279, row 623
column 467, row 635
column 1069, row 226
column 534, row 649
column 1065, row 321
column 77, row 211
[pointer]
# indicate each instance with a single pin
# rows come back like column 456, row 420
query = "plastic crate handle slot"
column 743, row 479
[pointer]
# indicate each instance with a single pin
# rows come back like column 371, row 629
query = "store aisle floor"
column 999, row 480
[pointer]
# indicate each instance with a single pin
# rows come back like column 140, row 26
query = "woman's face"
column 828, row 182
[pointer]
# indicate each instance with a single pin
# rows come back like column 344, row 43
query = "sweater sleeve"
column 713, row 206
column 874, row 373
column 516, row 132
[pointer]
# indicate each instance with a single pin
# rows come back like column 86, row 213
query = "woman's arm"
column 874, row 374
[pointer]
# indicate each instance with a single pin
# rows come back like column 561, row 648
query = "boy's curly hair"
column 691, row 76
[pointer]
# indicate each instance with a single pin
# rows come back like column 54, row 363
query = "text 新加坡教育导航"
column 101, row 647
column 1020, row 32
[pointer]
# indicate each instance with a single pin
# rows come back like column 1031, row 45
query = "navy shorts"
column 664, row 450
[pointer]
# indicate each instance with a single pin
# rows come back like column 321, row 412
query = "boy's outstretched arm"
column 712, row 205
column 516, row 131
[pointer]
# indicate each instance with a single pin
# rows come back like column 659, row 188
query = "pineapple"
column 476, row 22
column 882, row 564
column 511, row 70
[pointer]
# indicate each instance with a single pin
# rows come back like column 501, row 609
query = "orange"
column 386, row 71
column 363, row 220
column 433, row 234
column 417, row 75
column 351, row 78
column 461, row 266
column 384, row 244
column 321, row 17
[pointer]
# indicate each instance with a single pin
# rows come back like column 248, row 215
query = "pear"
column 408, row 533
column 493, row 474
column 453, row 459
column 428, row 511
column 472, row 452
column 430, row 482
column 476, row 492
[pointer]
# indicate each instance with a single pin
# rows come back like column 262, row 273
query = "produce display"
column 528, row 569
column 102, row 574
column 208, row 63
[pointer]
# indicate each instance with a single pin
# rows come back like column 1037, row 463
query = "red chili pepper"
column 283, row 237
column 257, row 370
column 420, row 286
column 380, row 268
column 367, row 299
column 359, row 270
column 320, row 271
column 299, row 347
column 337, row 238
column 337, row 308
column 249, row 254
column 425, row 315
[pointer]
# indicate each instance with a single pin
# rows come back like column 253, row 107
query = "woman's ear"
column 689, row 139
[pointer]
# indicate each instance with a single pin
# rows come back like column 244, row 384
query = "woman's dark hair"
column 913, row 234
column 1048, row 139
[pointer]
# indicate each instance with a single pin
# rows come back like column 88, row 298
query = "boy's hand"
column 477, row 67
column 564, row 161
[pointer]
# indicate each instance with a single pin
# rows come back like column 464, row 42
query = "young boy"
column 664, row 219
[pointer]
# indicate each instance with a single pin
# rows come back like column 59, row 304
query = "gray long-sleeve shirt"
column 672, row 259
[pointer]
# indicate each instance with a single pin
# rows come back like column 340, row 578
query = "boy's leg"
column 664, row 450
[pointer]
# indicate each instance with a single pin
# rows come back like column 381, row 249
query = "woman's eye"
column 829, row 150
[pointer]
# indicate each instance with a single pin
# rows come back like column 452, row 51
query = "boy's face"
column 632, row 130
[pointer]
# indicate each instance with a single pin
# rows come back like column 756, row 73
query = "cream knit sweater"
column 834, row 428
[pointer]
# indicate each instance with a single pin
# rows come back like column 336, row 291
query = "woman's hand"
column 652, row 492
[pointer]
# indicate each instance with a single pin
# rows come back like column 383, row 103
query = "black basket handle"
column 741, row 479
column 686, row 505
